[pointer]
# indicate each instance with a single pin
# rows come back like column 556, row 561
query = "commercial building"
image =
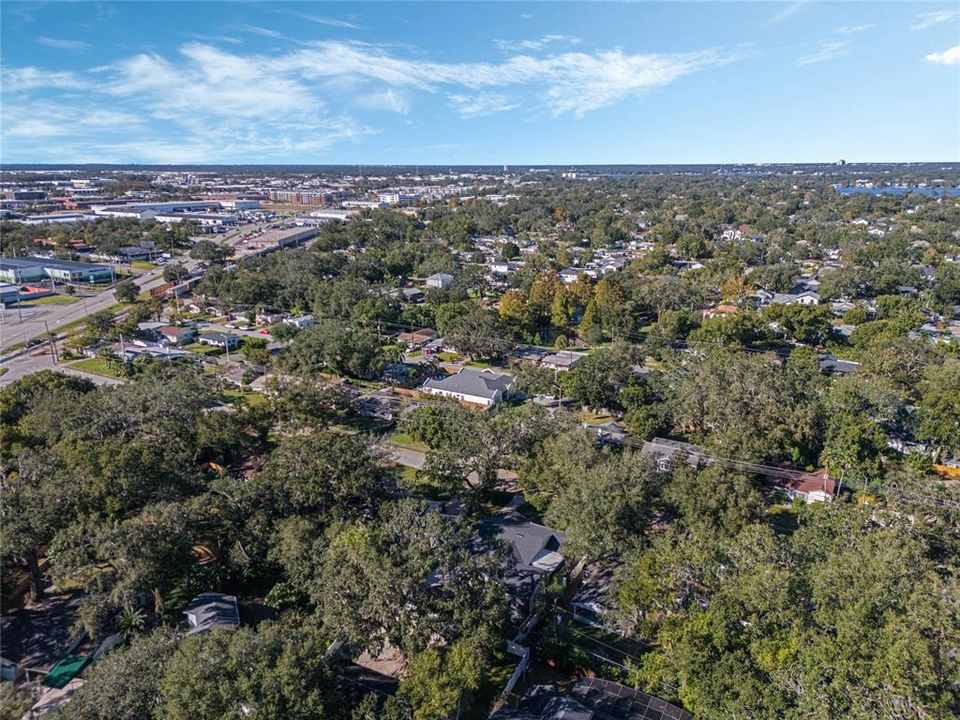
column 25, row 194
column 147, row 210
column 241, row 204
column 304, row 197
column 32, row 269
column 71, row 217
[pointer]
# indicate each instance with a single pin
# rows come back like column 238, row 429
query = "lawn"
column 446, row 356
column 202, row 349
column 593, row 418
column 97, row 366
column 3, row 371
column 247, row 398
column 783, row 518
column 479, row 364
column 402, row 439
column 52, row 300
column 142, row 265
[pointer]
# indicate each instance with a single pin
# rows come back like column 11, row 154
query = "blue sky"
column 492, row 83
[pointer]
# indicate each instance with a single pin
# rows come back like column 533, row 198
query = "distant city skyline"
column 485, row 84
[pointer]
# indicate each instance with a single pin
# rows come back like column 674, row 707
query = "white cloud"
column 566, row 82
column 31, row 78
column 828, row 50
column 63, row 44
column 257, row 30
column 788, row 10
column 951, row 56
column 45, row 119
column 390, row 100
column 331, row 22
column 854, row 29
column 541, row 44
column 472, row 106
column 206, row 103
column 929, row 19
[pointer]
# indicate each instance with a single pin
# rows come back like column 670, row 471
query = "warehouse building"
column 32, row 269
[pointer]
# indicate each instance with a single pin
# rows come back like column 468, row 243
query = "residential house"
column 719, row 311
column 440, row 281
column 299, row 321
column 209, row 611
column 177, row 335
column 807, row 297
column 416, row 338
column 269, row 317
column 610, row 432
column 412, row 295
column 836, row 366
column 226, row 341
column 562, row 360
column 592, row 698
column 533, row 555
column 663, row 451
column 480, row 387
column 161, row 353
column 150, row 330
column 810, row 487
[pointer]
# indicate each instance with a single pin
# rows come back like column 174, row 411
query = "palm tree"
column 130, row 622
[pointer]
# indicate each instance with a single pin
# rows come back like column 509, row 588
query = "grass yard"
column 3, row 371
column 142, row 265
column 97, row 366
column 480, row 365
column 446, row 356
column 202, row 349
column 246, row 398
column 402, row 439
column 52, row 300
column 783, row 518
column 595, row 418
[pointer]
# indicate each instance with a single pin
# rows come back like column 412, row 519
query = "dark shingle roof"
column 212, row 610
column 478, row 383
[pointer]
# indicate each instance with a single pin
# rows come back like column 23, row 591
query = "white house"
column 299, row 322
column 440, row 281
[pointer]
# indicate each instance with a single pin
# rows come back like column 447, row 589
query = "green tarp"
column 67, row 668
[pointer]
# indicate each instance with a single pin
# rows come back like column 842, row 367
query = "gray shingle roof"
column 212, row 610
column 478, row 383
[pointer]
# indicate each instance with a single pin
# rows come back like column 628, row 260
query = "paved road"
column 39, row 360
column 38, row 318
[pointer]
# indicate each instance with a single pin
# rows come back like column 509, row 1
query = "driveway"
column 409, row 458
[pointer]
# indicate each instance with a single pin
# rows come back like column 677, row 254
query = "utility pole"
column 53, row 345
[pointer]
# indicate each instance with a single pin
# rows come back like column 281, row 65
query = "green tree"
column 439, row 684
column 597, row 380
column 126, row 291
column 408, row 579
column 275, row 671
column 125, row 684
column 939, row 408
